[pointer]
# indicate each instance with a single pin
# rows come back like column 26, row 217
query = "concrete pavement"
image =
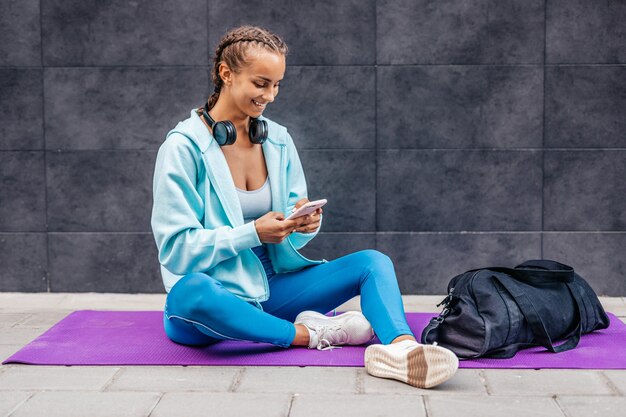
column 274, row 391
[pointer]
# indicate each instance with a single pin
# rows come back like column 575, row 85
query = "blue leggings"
column 200, row 311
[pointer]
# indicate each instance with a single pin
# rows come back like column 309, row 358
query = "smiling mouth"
column 258, row 105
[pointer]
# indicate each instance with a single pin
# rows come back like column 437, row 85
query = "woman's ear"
column 225, row 74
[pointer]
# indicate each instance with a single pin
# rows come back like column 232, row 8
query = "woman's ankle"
column 403, row 337
column 302, row 336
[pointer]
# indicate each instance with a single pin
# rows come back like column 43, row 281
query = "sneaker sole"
column 423, row 367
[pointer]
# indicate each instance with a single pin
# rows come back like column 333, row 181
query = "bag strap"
column 536, row 323
column 550, row 272
column 508, row 351
column 432, row 325
column 545, row 264
column 547, row 269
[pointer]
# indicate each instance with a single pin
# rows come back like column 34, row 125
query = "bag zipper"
column 446, row 303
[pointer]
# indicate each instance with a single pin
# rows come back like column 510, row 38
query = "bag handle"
column 536, row 323
column 537, row 272
column 432, row 325
column 548, row 269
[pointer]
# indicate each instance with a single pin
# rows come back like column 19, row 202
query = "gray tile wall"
column 449, row 135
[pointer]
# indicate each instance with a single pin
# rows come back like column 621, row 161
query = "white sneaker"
column 349, row 328
column 422, row 366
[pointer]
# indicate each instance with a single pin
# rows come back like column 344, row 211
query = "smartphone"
column 308, row 208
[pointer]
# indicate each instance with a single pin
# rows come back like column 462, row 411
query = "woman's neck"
column 226, row 111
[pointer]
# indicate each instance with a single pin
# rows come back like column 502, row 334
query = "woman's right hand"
column 273, row 228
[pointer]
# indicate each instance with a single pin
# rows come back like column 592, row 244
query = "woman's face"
column 259, row 82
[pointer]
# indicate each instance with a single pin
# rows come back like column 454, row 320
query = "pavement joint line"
column 610, row 384
column 158, row 400
column 27, row 316
column 482, row 376
column 359, row 386
column 292, row 398
column 426, row 405
column 560, row 406
column 63, row 299
column 237, row 379
column 111, row 380
column 418, row 391
column 18, row 405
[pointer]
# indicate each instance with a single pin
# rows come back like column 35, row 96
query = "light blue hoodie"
column 197, row 219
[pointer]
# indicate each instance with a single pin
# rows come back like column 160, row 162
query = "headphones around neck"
column 226, row 134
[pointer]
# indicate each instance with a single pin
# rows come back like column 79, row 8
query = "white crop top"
column 255, row 203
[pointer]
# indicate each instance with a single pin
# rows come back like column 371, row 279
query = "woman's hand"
column 311, row 221
column 273, row 228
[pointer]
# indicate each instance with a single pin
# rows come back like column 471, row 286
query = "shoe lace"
column 325, row 336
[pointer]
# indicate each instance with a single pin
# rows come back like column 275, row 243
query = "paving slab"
column 426, row 303
column 312, row 404
column 21, row 336
column 274, row 391
column 613, row 304
column 42, row 319
column 618, row 379
column 546, row 382
column 10, row 400
column 585, row 406
column 421, row 303
column 23, row 301
column 175, row 378
column 468, row 406
column 297, row 379
column 109, row 301
column 31, row 377
column 6, row 351
column 465, row 381
column 8, row 320
column 92, row 404
column 192, row 404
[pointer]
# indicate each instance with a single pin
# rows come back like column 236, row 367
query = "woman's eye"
column 263, row 86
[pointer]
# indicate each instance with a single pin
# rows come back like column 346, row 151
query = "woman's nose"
column 269, row 97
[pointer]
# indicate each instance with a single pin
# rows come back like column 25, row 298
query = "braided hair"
column 233, row 50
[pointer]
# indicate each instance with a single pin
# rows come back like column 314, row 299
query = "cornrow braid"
column 233, row 51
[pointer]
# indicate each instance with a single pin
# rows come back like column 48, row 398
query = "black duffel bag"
column 494, row 312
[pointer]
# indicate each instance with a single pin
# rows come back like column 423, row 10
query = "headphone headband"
column 207, row 116
column 225, row 132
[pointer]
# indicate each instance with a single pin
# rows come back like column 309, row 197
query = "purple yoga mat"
column 93, row 337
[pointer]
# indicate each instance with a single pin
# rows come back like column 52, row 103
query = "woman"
column 229, row 257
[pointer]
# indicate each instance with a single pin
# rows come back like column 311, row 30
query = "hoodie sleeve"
column 296, row 187
column 183, row 243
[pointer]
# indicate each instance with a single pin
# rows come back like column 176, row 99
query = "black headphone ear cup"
column 258, row 131
column 225, row 132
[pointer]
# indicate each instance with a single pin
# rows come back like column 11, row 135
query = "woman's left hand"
column 311, row 221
